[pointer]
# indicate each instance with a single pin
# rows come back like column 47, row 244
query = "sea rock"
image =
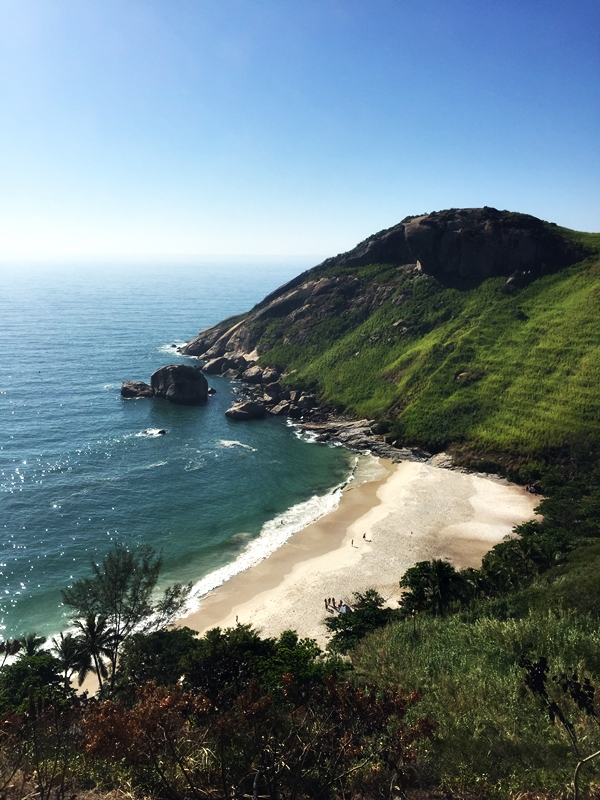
column 240, row 362
column 307, row 401
column 253, row 375
column 231, row 374
column 181, row 384
column 136, row 389
column 280, row 409
column 216, row 366
column 246, row 409
column 272, row 391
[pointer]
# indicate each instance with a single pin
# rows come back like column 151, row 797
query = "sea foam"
column 273, row 535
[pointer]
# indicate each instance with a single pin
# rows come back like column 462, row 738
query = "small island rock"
column 246, row 409
column 181, row 384
column 132, row 390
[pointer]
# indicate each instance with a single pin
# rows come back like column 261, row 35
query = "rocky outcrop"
column 468, row 244
column 359, row 435
column 181, row 384
column 253, row 375
column 245, row 410
column 132, row 390
column 216, row 366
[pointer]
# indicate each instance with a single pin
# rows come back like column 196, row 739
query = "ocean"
column 81, row 468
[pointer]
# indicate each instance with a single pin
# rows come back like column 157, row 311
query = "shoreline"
column 415, row 512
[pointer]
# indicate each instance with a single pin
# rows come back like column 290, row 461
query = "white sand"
column 420, row 512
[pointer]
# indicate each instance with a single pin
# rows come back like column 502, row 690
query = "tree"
column 120, row 594
column 31, row 644
column 155, row 657
column 366, row 614
column 67, row 650
column 431, row 587
column 95, row 642
column 37, row 675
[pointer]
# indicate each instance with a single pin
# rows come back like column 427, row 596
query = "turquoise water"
column 80, row 467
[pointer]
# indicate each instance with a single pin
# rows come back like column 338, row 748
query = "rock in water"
column 247, row 409
column 217, row 365
column 131, row 390
column 181, row 384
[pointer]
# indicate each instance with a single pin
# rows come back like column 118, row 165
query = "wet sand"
column 415, row 512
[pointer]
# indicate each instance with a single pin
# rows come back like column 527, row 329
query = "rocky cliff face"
column 454, row 246
column 467, row 243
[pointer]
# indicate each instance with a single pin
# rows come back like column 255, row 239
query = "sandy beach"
column 415, row 512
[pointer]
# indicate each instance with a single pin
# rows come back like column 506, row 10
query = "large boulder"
column 216, row 366
column 281, row 409
column 270, row 375
column 246, row 409
column 273, row 391
column 181, row 384
column 132, row 390
column 253, row 375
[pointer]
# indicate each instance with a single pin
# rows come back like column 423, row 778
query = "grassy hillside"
column 495, row 737
column 486, row 365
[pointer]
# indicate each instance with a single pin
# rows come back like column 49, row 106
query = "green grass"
column 479, row 367
column 494, row 738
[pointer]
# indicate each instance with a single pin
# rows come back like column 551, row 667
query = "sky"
column 195, row 128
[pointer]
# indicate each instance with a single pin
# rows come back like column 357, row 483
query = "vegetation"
column 227, row 715
column 115, row 603
column 445, row 366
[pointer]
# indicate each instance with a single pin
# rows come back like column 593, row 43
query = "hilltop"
column 467, row 329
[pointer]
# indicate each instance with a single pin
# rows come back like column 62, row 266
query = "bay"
column 81, row 468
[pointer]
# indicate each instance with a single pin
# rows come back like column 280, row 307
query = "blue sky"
column 135, row 128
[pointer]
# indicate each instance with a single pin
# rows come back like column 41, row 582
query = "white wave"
column 112, row 386
column 234, row 443
column 151, row 432
column 273, row 535
column 171, row 348
column 157, row 464
column 192, row 466
column 368, row 468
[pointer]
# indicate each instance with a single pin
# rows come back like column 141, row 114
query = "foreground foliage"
column 314, row 734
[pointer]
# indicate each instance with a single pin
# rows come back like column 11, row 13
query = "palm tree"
column 67, row 650
column 95, row 643
column 432, row 586
column 31, row 644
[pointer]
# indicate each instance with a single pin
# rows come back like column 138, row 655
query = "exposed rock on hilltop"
column 455, row 245
column 468, row 243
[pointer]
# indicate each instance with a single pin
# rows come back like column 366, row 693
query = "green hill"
column 483, row 338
